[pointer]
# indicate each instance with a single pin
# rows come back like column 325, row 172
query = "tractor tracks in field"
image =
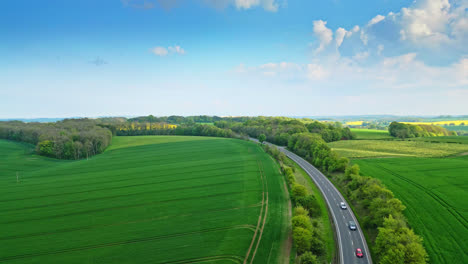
column 436, row 197
column 119, row 243
column 146, row 220
column 233, row 258
column 262, row 216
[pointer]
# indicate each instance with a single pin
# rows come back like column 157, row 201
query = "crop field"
column 446, row 139
column 395, row 148
column 147, row 199
column 371, row 134
column 354, row 123
column 434, row 192
column 440, row 123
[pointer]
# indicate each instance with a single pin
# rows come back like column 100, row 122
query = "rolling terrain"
column 429, row 176
column 148, row 199
column 396, row 148
column 434, row 192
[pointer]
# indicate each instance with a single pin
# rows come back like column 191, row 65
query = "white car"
column 343, row 206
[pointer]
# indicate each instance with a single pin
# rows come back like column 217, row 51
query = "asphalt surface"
column 348, row 240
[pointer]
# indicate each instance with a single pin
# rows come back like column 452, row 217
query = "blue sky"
column 233, row 57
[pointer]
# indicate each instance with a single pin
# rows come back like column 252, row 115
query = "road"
column 348, row 240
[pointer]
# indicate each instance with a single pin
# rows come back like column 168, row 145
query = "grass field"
column 434, row 192
column 371, row 134
column 147, row 199
column 383, row 148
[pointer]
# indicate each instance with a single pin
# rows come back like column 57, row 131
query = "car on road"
column 359, row 253
column 352, row 225
column 343, row 206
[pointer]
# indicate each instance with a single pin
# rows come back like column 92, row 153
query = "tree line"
column 402, row 130
column 67, row 139
column 279, row 130
column 383, row 214
column 307, row 230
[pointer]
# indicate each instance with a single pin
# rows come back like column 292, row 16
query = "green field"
column 371, row 134
column 394, row 148
column 147, row 199
column 435, row 193
column 446, row 139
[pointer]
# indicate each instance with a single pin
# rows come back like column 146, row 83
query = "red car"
column 359, row 253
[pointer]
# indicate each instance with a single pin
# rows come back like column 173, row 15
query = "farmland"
column 440, row 123
column 383, row 148
column 147, row 199
column 446, row 139
column 434, row 192
column 371, row 134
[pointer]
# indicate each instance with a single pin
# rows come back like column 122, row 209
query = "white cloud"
column 405, row 72
column 160, row 51
column 269, row 5
column 375, row 20
column 176, row 49
column 316, row 72
column 324, row 34
column 340, row 35
column 364, row 38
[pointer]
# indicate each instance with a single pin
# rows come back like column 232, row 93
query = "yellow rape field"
column 440, row 123
column 354, row 123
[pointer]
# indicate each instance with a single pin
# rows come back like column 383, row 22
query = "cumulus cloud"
column 324, row 34
column 426, row 26
column 375, row 20
column 340, row 35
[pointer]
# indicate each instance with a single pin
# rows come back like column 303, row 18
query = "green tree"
column 298, row 191
column 301, row 221
column 299, row 210
column 261, row 138
column 302, row 237
column 308, row 258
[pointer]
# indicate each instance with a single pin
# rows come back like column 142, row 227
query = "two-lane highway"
column 348, row 240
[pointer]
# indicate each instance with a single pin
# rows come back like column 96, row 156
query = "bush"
column 308, row 258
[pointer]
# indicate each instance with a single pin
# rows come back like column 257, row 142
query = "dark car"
column 352, row 225
column 359, row 253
